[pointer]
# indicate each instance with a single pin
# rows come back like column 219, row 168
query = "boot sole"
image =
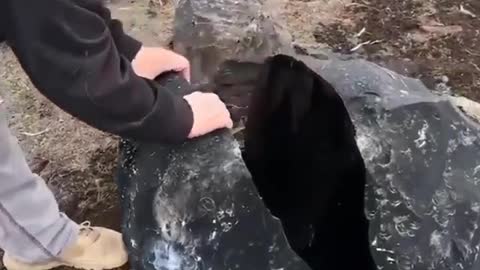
column 58, row 264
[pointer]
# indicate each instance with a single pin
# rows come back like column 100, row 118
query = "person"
column 80, row 58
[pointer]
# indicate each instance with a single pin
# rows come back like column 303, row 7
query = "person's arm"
column 147, row 62
column 126, row 45
column 70, row 56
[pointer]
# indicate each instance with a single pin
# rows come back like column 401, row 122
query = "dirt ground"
column 437, row 41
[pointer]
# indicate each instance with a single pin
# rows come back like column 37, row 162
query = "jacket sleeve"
column 126, row 45
column 69, row 54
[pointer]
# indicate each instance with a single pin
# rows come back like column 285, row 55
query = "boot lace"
column 87, row 230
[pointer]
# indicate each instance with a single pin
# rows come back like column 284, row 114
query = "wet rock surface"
column 195, row 206
column 73, row 149
column 420, row 152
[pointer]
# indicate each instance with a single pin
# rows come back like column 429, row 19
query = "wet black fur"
column 301, row 151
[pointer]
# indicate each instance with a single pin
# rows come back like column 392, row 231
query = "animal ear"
column 283, row 85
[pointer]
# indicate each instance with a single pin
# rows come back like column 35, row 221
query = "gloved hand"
column 153, row 61
column 209, row 113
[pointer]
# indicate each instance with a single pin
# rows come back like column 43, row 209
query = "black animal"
column 301, row 151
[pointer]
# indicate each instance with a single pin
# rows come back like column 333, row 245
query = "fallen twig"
column 375, row 41
column 359, row 46
column 467, row 12
column 361, row 32
column 364, row 43
column 475, row 66
column 237, row 129
column 472, row 53
column 36, row 133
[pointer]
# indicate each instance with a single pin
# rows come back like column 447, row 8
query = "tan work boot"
column 96, row 249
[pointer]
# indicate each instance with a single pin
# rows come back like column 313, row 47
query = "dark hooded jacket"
column 79, row 57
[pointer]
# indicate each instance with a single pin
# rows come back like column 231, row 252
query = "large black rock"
column 194, row 206
column 420, row 151
column 422, row 156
